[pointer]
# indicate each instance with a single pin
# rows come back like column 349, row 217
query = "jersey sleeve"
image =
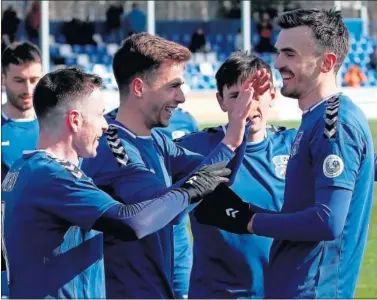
column 183, row 258
column 136, row 183
column 77, row 201
column 184, row 161
column 336, row 156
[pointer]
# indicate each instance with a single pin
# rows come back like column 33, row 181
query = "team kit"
column 141, row 203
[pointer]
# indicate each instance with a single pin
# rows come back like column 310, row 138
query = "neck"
column 58, row 147
column 319, row 92
column 132, row 117
column 13, row 113
column 257, row 136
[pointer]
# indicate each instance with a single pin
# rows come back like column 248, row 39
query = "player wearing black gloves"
column 205, row 181
column 225, row 210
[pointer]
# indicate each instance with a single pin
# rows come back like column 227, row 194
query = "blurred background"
column 87, row 33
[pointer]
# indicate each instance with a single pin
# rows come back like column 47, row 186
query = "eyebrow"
column 18, row 77
column 286, row 49
column 233, row 94
column 180, row 82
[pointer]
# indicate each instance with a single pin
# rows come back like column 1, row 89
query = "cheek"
column 13, row 88
column 229, row 105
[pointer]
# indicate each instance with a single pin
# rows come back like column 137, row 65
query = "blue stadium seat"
column 354, row 47
column 211, row 39
column 77, row 49
column 101, row 50
column 219, row 38
column 94, row 58
column 90, row 49
column 255, row 39
column 60, row 39
column 106, row 59
column 175, row 38
column 362, row 56
column 222, row 56
column 186, row 39
column 54, row 51
column 70, row 61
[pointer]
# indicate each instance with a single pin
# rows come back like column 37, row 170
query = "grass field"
column 366, row 287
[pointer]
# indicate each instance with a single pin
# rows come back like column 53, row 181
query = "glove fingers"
column 222, row 179
column 213, row 167
column 222, row 172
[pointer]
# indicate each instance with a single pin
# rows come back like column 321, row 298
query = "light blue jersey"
column 228, row 265
column 16, row 136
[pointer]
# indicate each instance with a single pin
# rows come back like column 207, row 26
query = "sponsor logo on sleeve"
column 296, row 143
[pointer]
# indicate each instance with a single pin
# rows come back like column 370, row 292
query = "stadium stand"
column 220, row 36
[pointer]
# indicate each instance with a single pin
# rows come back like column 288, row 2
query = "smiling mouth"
column 170, row 108
column 286, row 76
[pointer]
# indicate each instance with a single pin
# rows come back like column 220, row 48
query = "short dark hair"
column 143, row 53
column 63, row 86
column 20, row 53
column 329, row 30
column 240, row 65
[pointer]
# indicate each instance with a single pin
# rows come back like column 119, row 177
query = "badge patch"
column 333, row 166
column 296, row 143
column 280, row 162
column 178, row 134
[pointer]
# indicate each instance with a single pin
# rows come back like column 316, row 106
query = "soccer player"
column 21, row 71
column 321, row 232
column 53, row 211
column 181, row 123
column 228, row 265
column 150, row 89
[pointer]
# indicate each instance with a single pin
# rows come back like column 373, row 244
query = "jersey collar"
column 252, row 146
column 318, row 104
column 17, row 120
column 120, row 126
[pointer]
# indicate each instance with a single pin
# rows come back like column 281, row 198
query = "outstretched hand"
column 205, row 180
column 246, row 105
column 225, row 210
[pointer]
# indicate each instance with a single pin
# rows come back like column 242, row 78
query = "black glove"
column 225, row 210
column 205, row 180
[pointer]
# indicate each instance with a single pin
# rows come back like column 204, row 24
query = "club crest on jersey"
column 296, row 143
column 333, row 166
column 280, row 162
column 176, row 134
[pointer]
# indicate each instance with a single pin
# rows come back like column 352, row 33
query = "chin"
column 289, row 93
column 163, row 123
column 90, row 154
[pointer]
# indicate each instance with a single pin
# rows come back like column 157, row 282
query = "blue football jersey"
column 51, row 251
column 333, row 148
column 16, row 136
column 181, row 123
column 134, row 169
column 228, row 265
